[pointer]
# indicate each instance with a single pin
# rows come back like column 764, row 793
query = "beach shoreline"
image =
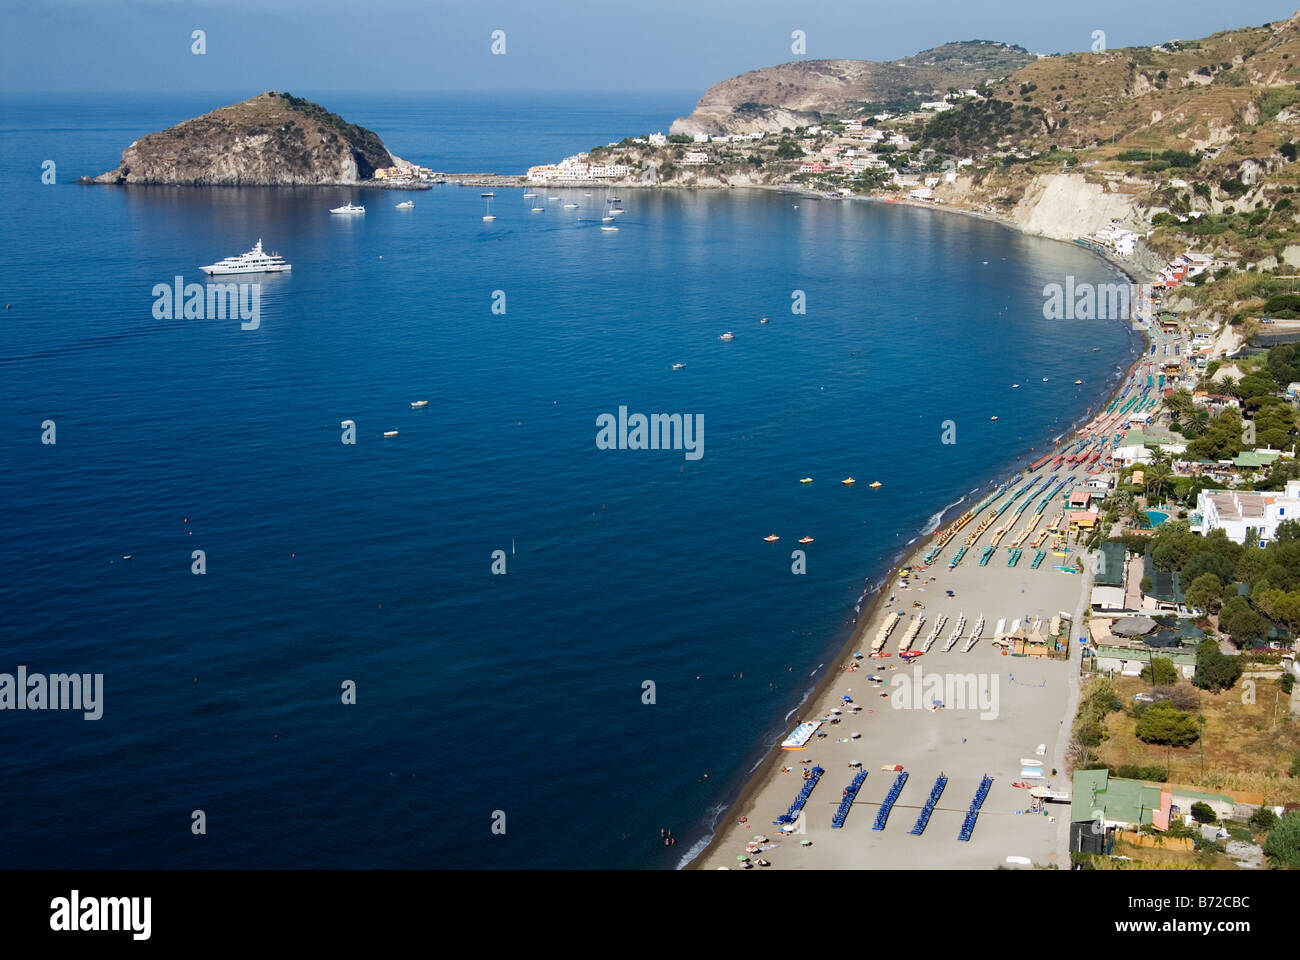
column 871, row 604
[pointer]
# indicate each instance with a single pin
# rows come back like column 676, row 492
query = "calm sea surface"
column 371, row 563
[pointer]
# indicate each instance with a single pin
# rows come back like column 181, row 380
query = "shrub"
column 1160, row 672
column 1263, row 819
column 1162, row 722
column 1131, row 771
column 1283, row 843
column 1203, row 812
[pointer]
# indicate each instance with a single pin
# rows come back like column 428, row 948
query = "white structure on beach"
column 1238, row 511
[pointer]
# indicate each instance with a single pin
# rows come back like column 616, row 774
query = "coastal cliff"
column 272, row 139
column 794, row 94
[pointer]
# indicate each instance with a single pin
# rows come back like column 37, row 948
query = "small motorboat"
column 771, row 538
column 805, row 479
column 875, row 483
column 1044, row 379
column 390, row 433
column 1015, row 386
column 1077, row 382
column 570, row 206
column 678, row 366
column 529, row 196
column 893, row 768
column 419, row 404
column 909, row 654
column 993, row 418
column 726, row 336
column 765, row 320
column 610, row 229
column 805, row 539
column 848, row 481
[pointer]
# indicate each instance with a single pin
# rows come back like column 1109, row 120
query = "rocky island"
column 273, row 139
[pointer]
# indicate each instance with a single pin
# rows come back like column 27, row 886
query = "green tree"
column 1202, row 812
column 1158, row 478
column 1243, row 624
column 1162, row 722
column 1283, row 843
column 1205, row 593
column 1215, row 670
column 1160, row 672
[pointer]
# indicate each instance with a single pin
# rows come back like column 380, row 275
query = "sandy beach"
column 1035, row 698
column 1021, row 703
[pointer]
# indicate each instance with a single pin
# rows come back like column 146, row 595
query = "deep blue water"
column 327, row 563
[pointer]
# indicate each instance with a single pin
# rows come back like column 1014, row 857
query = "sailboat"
column 489, row 197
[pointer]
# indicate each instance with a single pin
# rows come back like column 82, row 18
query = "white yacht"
column 255, row 261
column 348, row 208
column 406, row 205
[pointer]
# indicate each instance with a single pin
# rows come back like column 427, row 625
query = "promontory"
column 273, row 139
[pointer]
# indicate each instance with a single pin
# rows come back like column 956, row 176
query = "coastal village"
column 1144, row 575
column 1093, row 666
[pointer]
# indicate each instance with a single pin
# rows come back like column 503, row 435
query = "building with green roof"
column 1100, row 803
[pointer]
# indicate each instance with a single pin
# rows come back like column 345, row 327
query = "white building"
column 694, row 158
column 1127, row 456
column 938, row 106
column 1237, row 511
column 658, row 140
column 701, row 138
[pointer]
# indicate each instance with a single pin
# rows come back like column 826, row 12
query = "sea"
column 484, row 642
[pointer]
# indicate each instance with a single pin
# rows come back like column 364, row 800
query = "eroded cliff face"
column 1063, row 206
column 269, row 140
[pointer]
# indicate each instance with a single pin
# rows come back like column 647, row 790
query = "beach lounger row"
column 882, row 815
column 850, row 792
column 924, row 818
column 792, row 814
column 968, row 824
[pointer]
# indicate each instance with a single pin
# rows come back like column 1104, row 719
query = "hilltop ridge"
column 268, row 140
